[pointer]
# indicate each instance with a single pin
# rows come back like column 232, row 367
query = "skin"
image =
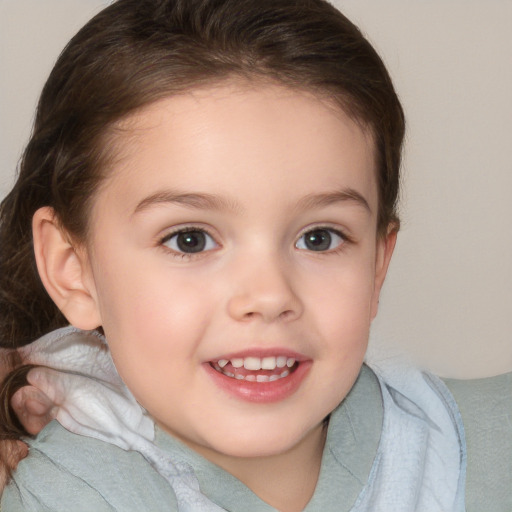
column 266, row 165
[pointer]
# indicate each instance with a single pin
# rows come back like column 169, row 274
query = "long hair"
column 136, row 52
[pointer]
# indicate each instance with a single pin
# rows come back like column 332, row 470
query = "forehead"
column 235, row 131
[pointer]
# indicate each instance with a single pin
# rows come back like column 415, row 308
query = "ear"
column 385, row 247
column 64, row 271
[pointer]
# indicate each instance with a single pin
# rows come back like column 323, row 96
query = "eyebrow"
column 200, row 201
column 312, row 201
column 205, row 201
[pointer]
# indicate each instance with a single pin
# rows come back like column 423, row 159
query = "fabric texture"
column 419, row 462
column 486, row 408
column 99, row 405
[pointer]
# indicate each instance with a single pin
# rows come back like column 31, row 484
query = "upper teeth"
column 259, row 363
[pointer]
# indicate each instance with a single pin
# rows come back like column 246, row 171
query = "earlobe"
column 385, row 248
column 65, row 272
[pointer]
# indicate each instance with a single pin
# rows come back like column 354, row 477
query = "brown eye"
column 190, row 241
column 320, row 240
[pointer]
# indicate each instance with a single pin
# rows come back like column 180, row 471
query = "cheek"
column 343, row 297
column 343, row 318
column 144, row 300
column 151, row 316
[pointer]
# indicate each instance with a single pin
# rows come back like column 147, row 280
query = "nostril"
column 285, row 314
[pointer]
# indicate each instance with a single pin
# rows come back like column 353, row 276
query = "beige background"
column 448, row 300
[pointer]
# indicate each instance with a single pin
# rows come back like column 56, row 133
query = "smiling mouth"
column 256, row 369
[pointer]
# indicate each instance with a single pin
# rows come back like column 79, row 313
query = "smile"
column 259, row 377
column 256, row 369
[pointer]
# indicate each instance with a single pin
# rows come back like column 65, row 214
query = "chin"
column 254, row 445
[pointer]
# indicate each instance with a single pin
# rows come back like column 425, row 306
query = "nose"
column 264, row 290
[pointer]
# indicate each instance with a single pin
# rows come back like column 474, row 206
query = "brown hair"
column 10, row 426
column 135, row 52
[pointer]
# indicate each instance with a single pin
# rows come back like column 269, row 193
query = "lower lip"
column 261, row 392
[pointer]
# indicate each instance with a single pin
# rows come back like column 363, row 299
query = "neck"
column 285, row 481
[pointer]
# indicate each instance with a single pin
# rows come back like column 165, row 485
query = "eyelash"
column 344, row 239
column 182, row 254
column 177, row 253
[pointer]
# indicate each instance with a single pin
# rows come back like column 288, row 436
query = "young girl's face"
column 234, row 263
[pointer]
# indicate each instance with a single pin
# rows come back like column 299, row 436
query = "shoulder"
column 486, row 409
column 65, row 472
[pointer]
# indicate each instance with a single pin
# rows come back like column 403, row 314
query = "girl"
column 212, row 185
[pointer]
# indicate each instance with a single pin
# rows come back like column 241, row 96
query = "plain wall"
column 448, row 299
